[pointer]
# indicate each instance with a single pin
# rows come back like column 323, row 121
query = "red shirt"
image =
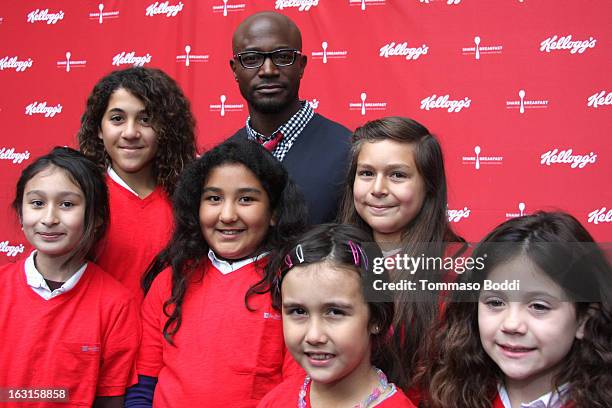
column 84, row 340
column 497, row 403
column 139, row 229
column 225, row 355
column 286, row 395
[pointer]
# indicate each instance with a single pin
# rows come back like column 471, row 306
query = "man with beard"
column 268, row 65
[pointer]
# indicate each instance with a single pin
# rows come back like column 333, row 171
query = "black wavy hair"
column 85, row 175
column 188, row 249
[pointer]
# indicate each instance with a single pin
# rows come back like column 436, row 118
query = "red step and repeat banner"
column 519, row 92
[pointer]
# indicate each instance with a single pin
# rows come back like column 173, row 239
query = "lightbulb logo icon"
column 477, row 151
column 521, row 207
column 100, row 7
column 224, row 8
column 68, row 55
column 477, row 42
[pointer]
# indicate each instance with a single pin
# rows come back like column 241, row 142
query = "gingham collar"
column 290, row 130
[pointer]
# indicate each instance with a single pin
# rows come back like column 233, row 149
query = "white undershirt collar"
column 226, row 267
column 113, row 175
column 38, row 284
column 554, row 399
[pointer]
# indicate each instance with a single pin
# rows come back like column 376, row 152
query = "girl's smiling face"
column 128, row 135
column 388, row 191
column 53, row 213
column 235, row 212
column 528, row 333
column 326, row 322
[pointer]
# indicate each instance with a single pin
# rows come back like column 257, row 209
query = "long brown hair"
column 462, row 375
column 427, row 234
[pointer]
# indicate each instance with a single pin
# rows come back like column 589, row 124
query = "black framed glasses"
column 255, row 59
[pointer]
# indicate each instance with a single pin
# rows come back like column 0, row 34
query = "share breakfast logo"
column 364, row 106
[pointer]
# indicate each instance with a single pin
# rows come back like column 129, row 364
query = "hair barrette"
column 355, row 252
column 299, row 252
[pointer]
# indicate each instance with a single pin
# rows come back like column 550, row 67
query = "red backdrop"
column 518, row 91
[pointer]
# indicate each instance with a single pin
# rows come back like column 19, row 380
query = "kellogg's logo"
column 479, row 160
column 41, row 108
column 158, row 8
column 301, row 5
column 14, row 63
column 597, row 216
column 523, row 103
column 458, row 215
column 44, row 15
column 325, row 54
column 565, row 43
column 130, row 58
column 225, row 8
column 479, row 50
column 566, row 157
column 521, row 208
column 363, row 3
column 67, row 64
column 11, row 250
column 444, row 102
column 364, row 106
column 600, row 98
column 101, row 14
column 188, row 57
column 224, row 107
column 9, row 154
column 402, row 50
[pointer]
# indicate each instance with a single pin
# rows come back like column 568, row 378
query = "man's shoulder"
column 321, row 121
column 240, row 134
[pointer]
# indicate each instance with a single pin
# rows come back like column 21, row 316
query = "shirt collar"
column 113, row 175
column 226, row 267
column 38, row 284
column 554, row 399
column 288, row 129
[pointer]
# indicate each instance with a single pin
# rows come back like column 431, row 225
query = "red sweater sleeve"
column 150, row 358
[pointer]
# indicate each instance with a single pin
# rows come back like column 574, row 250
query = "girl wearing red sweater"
column 70, row 331
column 138, row 128
column 332, row 328
column 210, row 334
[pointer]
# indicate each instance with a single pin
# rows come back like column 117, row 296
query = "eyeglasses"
column 255, row 59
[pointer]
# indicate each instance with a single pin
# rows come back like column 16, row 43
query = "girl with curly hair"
column 211, row 336
column 545, row 342
column 137, row 127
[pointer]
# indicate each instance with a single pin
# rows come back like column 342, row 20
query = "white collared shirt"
column 113, row 174
column 554, row 399
column 226, row 267
column 37, row 282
